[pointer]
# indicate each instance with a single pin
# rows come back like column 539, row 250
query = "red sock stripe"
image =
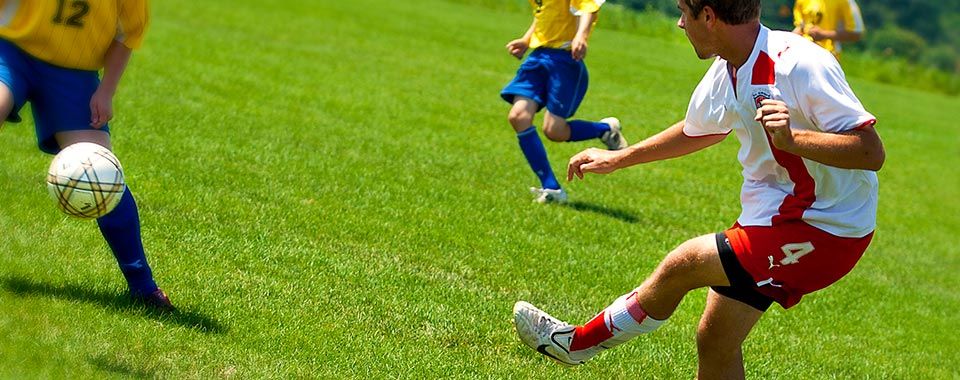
column 591, row 334
column 633, row 307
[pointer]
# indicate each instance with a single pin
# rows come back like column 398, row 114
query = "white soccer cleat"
column 548, row 335
column 548, row 195
column 614, row 137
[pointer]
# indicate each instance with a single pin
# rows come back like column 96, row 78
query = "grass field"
column 330, row 189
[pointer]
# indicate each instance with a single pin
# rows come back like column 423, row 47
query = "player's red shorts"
column 791, row 259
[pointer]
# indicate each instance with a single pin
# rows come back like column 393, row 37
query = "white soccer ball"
column 86, row 180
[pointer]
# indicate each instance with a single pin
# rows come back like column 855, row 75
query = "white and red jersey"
column 779, row 186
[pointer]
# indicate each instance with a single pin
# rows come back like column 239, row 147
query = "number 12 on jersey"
column 79, row 9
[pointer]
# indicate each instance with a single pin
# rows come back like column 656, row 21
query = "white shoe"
column 614, row 137
column 548, row 195
column 548, row 335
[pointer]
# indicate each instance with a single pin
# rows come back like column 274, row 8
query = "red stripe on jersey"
column 763, row 70
column 804, row 187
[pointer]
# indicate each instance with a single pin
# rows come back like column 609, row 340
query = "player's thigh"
column 6, row 102
column 694, row 264
column 67, row 138
column 725, row 324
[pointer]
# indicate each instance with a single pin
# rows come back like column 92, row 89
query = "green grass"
column 331, row 189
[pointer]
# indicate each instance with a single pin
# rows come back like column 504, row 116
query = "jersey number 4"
column 80, row 9
column 794, row 251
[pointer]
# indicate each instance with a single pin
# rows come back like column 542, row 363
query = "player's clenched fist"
column 774, row 116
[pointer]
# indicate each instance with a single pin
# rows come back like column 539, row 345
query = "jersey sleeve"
column 825, row 96
column 707, row 113
column 582, row 7
column 850, row 16
column 134, row 16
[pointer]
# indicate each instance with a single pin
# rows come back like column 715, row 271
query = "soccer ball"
column 86, row 180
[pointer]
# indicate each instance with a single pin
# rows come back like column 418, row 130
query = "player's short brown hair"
column 733, row 12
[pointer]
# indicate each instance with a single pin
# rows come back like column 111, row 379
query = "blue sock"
column 585, row 130
column 121, row 230
column 536, row 156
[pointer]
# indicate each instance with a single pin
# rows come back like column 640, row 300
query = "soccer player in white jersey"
column 809, row 153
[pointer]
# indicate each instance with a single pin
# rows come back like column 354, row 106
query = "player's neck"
column 740, row 42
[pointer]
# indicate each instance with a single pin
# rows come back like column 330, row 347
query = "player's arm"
column 519, row 46
column 849, row 26
column 578, row 47
column 670, row 143
column 101, row 104
column 859, row 148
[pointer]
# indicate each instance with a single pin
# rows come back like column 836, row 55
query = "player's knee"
column 713, row 349
column 678, row 265
column 520, row 119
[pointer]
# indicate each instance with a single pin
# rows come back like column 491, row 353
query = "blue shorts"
column 59, row 97
column 552, row 78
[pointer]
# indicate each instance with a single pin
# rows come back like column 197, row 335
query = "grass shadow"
column 122, row 369
column 622, row 215
column 25, row 287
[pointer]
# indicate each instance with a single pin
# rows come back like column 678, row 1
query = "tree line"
column 926, row 32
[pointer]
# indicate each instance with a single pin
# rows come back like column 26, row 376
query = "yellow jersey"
column 72, row 33
column 827, row 15
column 556, row 21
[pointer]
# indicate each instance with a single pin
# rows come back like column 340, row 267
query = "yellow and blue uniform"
column 549, row 75
column 552, row 78
column 828, row 15
column 50, row 54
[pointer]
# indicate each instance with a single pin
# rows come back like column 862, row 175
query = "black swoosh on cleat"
column 543, row 350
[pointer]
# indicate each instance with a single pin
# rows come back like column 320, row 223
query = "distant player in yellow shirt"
column 554, row 76
column 51, row 52
column 828, row 22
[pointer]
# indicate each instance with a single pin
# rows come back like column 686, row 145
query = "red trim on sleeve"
column 868, row 123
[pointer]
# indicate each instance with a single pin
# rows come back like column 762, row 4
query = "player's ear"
column 708, row 15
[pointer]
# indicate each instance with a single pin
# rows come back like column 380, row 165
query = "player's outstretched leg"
column 121, row 230
column 694, row 264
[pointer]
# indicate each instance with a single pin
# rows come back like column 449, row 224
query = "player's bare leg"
column 6, row 103
column 66, row 138
column 694, row 264
column 723, row 328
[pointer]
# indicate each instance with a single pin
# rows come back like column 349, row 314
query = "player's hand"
column 517, row 47
column 774, row 116
column 593, row 160
column 578, row 48
column 101, row 108
column 817, row 34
